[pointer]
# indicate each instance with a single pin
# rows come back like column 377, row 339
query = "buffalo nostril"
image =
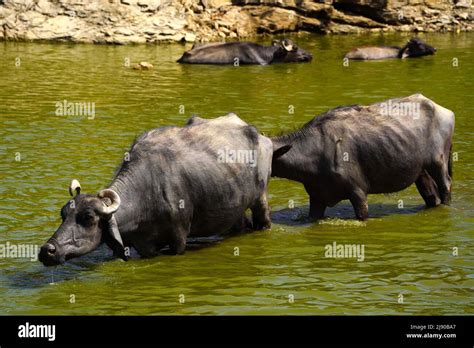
column 51, row 249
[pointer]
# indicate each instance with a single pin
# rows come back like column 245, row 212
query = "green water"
column 408, row 251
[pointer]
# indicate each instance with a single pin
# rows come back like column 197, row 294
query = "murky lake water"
column 408, row 251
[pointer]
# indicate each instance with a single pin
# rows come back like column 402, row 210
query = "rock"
column 19, row 5
column 463, row 15
column 312, row 24
column 277, row 19
column 437, row 4
column 190, row 37
column 159, row 22
column 176, row 23
column 355, row 20
column 377, row 4
column 342, row 28
column 445, row 19
column 126, row 40
column 57, row 28
column 430, row 13
column 225, row 24
column 167, row 31
column 46, row 8
column 70, row 13
column 149, row 5
column 149, row 31
column 143, row 66
column 225, row 30
column 170, row 38
column 9, row 21
column 197, row 8
column 34, row 18
column 22, row 17
column 463, row 3
column 215, row 3
column 124, row 31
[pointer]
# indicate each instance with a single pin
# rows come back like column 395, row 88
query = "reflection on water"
column 408, row 250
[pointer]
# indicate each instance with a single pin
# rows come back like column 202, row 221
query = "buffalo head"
column 87, row 221
column 289, row 52
column 416, row 48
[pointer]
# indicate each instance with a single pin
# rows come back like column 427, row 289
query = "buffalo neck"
column 269, row 52
column 132, row 205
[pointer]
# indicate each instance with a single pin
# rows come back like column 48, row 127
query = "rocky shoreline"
column 154, row 21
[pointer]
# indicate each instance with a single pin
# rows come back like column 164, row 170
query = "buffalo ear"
column 281, row 151
column 113, row 239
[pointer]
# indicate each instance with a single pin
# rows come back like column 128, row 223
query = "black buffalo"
column 282, row 51
column 196, row 180
column 414, row 48
column 349, row 152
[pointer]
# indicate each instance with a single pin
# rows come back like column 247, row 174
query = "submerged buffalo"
column 196, row 180
column 414, row 48
column 349, row 152
column 282, row 51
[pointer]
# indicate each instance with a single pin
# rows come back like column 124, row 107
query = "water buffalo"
column 282, row 51
column 351, row 151
column 414, row 48
column 196, row 180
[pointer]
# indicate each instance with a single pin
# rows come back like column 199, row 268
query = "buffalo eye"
column 86, row 219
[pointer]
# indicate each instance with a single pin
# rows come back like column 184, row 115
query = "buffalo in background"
column 414, row 48
column 282, row 51
column 352, row 151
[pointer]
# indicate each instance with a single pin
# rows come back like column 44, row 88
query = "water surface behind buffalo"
column 408, row 250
